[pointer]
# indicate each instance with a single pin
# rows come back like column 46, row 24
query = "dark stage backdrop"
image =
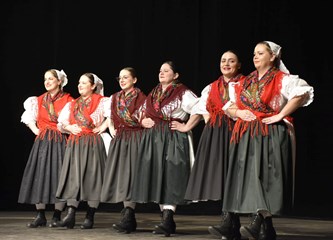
column 105, row 36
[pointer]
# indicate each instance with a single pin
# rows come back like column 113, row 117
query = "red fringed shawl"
column 262, row 97
column 132, row 105
column 80, row 112
column 48, row 112
column 218, row 97
column 174, row 92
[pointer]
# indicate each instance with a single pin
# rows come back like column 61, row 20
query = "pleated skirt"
column 260, row 173
column 209, row 171
column 41, row 174
column 120, row 167
column 82, row 173
column 163, row 167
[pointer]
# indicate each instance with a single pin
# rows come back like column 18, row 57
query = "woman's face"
column 85, row 87
column 167, row 75
column 229, row 65
column 263, row 58
column 51, row 83
column 126, row 80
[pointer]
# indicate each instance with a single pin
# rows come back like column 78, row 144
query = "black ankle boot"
column 39, row 221
column 69, row 220
column 89, row 220
column 168, row 225
column 253, row 229
column 128, row 222
column 156, row 231
column 267, row 231
column 229, row 228
column 55, row 218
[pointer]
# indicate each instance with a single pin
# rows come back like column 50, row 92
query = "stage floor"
column 13, row 227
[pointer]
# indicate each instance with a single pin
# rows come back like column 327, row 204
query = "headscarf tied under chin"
column 276, row 49
column 63, row 77
column 99, row 85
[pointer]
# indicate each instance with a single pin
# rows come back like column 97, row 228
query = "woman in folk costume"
column 209, row 171
column 84, row 161
column 126, row 130
column 41, row 174
column 262, row 148
column 163, row 163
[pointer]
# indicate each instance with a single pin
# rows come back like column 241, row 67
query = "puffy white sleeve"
column 99, row 114
column 189, row 101
column 107, row 107
column 30, row 110
column 63, row 118
column 200, row 106
column 293, row 86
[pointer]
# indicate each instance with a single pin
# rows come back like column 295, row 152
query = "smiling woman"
column 82, row 173
column 144, row 33
column 209, row 172
column 261, row 177
column 40, row 178
column 125, row 127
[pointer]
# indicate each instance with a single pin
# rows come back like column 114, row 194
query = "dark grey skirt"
column 209, row 171
column 163, row 167
column 41, row 174
column 260, row 173
column 120, row 166
column 83, row 169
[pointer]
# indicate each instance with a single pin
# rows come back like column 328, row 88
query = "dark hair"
column 234, row 52
column 91, row 79
column 131, row 70
column 172, row 66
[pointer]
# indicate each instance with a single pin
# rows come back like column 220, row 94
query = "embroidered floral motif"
column 123, row 102
column 158, row 95
column 253, row 91
column 79, row 109
column 48, row 104
column 218, row 97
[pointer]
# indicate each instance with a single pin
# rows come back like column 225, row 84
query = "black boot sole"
column 217, row 233
column 214, row 231
column 37, row 223
column 161, row 230
column 66, row 225
column 31, row 225
column 53, row 223
column 123, row 230
column 157, row 231
column 248, row 234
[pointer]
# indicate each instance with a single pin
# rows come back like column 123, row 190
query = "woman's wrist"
column 235, row 114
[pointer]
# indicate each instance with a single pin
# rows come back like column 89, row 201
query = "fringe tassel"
column 87, row 137
column 256, row 128
column 52, row 134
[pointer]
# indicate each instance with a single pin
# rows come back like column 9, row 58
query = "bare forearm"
column 33, row 128
column 188, row 126
column 193, row 121
column 292, row 105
